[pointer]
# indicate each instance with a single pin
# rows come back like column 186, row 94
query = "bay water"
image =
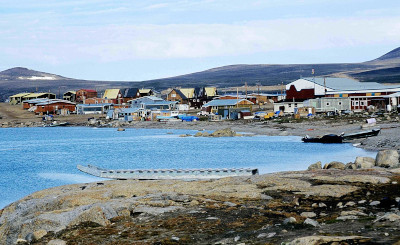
column 32, row 159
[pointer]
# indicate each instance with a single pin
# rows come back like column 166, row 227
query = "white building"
column 361, row 94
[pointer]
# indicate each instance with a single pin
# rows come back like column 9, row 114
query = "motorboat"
column 328, row 138
column 362, row 134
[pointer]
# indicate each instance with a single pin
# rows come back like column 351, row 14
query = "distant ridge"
column 385, row 69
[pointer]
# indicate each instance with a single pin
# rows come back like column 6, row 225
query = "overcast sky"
column 141, row 40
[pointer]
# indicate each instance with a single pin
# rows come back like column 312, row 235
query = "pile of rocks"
column 384, row 159
column 21, row 124
column 227, row 132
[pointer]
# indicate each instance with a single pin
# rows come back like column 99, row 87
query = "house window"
column 356, row 103
column 295, row 105
column 173, row 95
column 362, row 103
column 339, row 103
column 290, row 105
column 328, row 103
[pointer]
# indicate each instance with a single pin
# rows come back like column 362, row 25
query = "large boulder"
column 387, row 159
column 351, row 165
column 364, row 162
column 227, row 132
column 334, row 164
column 315, row 166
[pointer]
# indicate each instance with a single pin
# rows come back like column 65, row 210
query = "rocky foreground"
column 318, row 206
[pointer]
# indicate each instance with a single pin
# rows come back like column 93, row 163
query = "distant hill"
column 385, row 69
column 382, row 69
column 394, row 54
column 19, row 79
column 21, row 73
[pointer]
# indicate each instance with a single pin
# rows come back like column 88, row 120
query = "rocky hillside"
column 335, row 205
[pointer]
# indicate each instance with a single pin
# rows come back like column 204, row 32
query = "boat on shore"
column 362, row 134
column 57, row 124
column 333, row 138
column 156, row 174
column 328, row 138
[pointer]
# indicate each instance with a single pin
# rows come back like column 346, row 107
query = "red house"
column 83, row 94
column 54, row 107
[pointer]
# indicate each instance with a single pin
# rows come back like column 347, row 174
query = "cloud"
column 135, row 42
column 156, row 6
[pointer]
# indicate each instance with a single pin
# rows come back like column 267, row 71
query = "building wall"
column 302, row 84
column 52, row 108
column 361, row 101
column 327, row 104
column 83, row 94
column 287, row 107
column 96, row 101
column 303, row 94
column 174, row 96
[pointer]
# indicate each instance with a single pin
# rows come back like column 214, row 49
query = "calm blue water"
column 33, row 159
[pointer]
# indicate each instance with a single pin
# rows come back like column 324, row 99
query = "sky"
column 121, row 40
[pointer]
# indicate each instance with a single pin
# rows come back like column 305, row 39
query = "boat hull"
column 329, row 138
column 149, row 174
column 363, row 134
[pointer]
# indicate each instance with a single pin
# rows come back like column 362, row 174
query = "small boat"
column 362, row 134
column 328, row 138
column 57, row 124
column 151, row 174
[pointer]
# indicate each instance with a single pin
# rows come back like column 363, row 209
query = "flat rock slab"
column 314, row 240
column 206, row 209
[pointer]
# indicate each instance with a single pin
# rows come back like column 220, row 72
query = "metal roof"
column 20, row 95
column 49, row 102
column 225, row 102
column 130, row 92
column 154, row 98
column 188, row 92
column 144, row 91
column 88, row 90
column 161, row 103
column 93, row 105
column 344, row 84
column 34, row 95
column 31, row 101
column 111, row 93
column 183, row 96
column 211, row 91
column 72, row 92
column 129, row 110
column 394, row 95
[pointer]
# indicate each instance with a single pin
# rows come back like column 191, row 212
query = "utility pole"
column 237, row 97
column 245, row 84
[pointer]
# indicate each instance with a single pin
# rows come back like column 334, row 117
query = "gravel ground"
column 389, row 138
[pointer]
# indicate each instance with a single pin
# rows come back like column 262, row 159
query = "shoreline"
column 388, row 138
